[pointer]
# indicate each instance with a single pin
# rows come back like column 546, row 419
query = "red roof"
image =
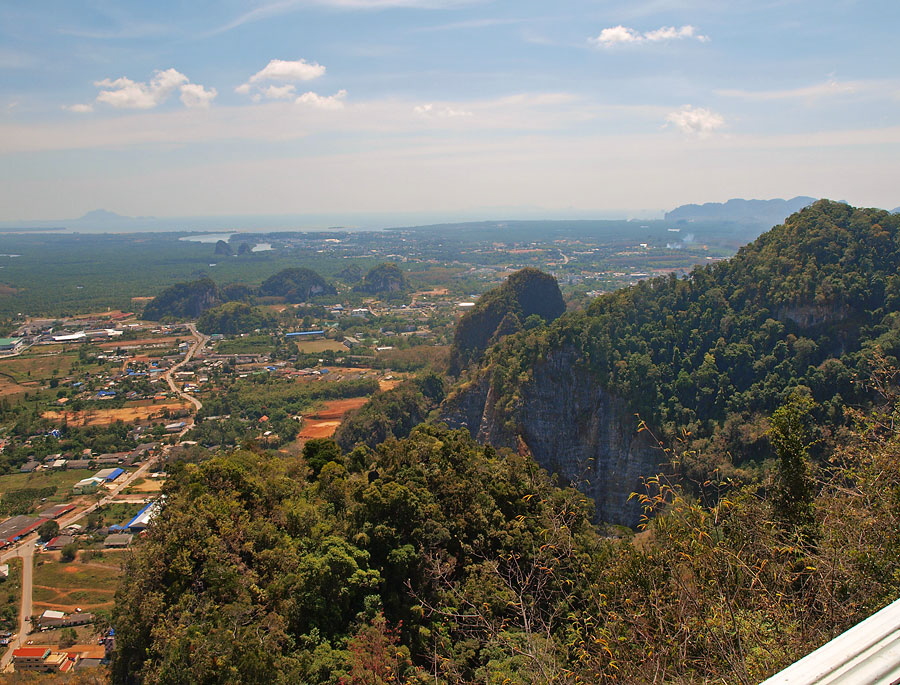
column 30, row 652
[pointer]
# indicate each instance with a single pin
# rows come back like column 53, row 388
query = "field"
column 104, row 417
column 65, row 586
column 28, row 373
column 144, row 486
column 61, row 480
column 37, row 367
column 316, row 346
column 118, row 513
column 324, row 422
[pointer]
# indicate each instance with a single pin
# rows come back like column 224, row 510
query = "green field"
column 10, row 594
column 62, row 480
column 118, row 513
column 39, row 366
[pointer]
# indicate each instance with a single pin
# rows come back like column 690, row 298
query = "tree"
column 48, row 530
column 794, row 495
column 320, row 451
column 68, row 552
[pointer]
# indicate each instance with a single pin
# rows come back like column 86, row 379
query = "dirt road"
column 200, row 341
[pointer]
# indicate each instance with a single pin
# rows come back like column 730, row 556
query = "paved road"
column 121, row 484
column 199, row 341
column 25, row 548
column 25, row 551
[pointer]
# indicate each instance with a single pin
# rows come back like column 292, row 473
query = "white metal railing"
column 867, row 654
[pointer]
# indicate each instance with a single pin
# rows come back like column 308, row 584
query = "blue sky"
column 514, row 108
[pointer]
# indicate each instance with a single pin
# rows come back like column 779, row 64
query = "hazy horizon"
column 442, row 108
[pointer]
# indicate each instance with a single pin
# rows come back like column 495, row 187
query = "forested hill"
column 190, row 300
column 184, row 300
column 807, row 305
column 526, row 299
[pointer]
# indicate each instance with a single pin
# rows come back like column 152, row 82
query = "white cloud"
column 335, row 101
column 195, row 95
column 429, row 110
column 619, row 35
column 79, row 108
column 696, row 121
column 123, row 93
column 280, row 92
column 283, row 70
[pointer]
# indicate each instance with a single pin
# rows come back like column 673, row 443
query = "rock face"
column 571, row 426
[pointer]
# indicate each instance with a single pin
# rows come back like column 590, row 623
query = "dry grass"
column 105, row 417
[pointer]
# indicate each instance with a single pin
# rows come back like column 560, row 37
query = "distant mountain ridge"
column 767, row 212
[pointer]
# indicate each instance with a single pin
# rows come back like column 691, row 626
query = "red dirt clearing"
column 325, row 422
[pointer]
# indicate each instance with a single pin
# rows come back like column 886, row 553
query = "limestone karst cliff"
column 571, row 426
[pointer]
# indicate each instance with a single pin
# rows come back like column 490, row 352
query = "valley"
column 450, row 462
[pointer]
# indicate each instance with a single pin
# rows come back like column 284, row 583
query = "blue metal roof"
column 302, row 333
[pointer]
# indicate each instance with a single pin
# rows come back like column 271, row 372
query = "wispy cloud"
column 79, row 108
column 471, row 24
column 623, row 35
column 312, row 99
column 696, row 121
column 830, row 88
column 429, row 110
column 274, row 9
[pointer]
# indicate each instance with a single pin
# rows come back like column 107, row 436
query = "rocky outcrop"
column 384, row 279
column 296, row 285
column 503, row 311
column 808, row 316
column 571, row 426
